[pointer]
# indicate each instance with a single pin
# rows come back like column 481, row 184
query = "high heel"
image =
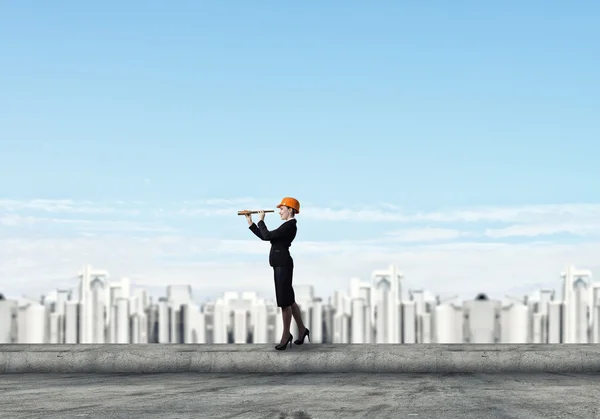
column 306, row 335
column 283, row 346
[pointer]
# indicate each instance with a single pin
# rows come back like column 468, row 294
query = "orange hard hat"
column 290, row 202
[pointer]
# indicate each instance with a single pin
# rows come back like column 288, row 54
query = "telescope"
column 253, row 212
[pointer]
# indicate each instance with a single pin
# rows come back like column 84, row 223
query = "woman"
column 283, row 266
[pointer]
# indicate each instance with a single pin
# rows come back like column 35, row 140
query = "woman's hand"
column 261, row 215
column 249, row 218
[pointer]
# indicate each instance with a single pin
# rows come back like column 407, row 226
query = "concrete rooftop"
column 300, row 396
column 309, row 358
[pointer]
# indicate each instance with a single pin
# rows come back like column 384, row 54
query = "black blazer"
column 281, row 239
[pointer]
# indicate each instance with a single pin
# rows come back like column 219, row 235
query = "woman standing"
column 283, row 266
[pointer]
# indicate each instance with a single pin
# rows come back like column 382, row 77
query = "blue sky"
column 430, row 108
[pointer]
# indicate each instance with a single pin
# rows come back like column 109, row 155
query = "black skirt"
column 283, row 285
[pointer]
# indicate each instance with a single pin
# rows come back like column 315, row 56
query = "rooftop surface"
column 300, row 396
column 308, row 358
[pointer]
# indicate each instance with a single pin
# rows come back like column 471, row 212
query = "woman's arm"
column 257, row 231
column 283, row 230
column 253, row 227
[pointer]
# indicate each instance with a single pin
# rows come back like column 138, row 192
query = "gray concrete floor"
column 300, row 396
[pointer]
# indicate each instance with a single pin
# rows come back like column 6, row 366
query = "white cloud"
column 37, row 266
column 526, row 213
column 425, row 234
column 68, row 206
column 519, row 221
column 16, row 221
column 12, row 220
column 530, row 214
column 535, row 230
column 217, row 207
column 442, row 259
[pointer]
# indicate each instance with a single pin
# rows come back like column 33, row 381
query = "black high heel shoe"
column 300, row 341
column 283, row 346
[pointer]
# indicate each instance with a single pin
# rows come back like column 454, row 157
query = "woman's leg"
column 298, row 318
column 286, row 313
column 295, row 308
column 285, row 297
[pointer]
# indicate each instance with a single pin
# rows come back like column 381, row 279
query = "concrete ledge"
column 309, row 358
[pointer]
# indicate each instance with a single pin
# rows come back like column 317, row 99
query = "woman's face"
column 285, row 212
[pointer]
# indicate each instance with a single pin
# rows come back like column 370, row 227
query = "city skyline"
column 379, row 310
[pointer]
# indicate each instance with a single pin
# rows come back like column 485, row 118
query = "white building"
column 8, row 320
column 578, row 298
column 447, row 323
column 514, row 323
column 31, row 322
column 92, row 300
column 72, row 322
column 386, row 301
